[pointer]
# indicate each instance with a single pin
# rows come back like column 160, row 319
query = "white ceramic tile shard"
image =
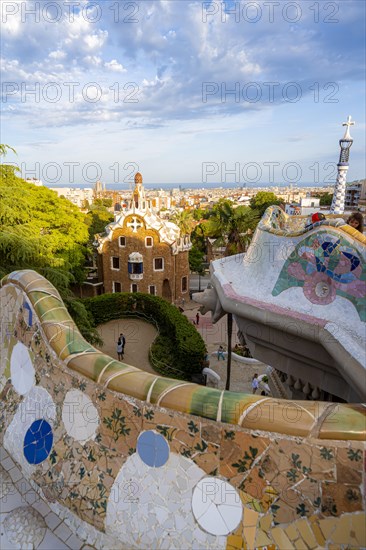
column 6, row 483
column 200, row 505
column 11, row 300
column 217, row 506
column 25, row 527
column 37, row 404
column 80, row 416
column 22, row 372
column 151, row 507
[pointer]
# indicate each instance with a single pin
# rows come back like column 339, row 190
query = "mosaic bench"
column 131, row 459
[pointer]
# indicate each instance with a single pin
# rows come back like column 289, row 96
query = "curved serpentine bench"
column 299, row 298
column 124, row 455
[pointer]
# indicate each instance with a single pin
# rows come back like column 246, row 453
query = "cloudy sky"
column 185, row 91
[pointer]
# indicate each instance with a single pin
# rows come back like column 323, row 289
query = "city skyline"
column 193, row 92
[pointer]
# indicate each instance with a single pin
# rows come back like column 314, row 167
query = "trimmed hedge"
column 186, row 344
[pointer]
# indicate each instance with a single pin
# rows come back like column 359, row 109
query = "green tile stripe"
column 203, row 402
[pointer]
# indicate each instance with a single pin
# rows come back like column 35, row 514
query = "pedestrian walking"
column 197, row 318
column 220, row 353
column 255, row 383
column 123, row 341
column 119, row 349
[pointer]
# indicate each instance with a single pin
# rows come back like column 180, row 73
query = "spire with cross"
column 349, row 123
column 340, row 186
column 345, row 143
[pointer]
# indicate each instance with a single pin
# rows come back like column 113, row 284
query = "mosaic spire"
column 340, row 186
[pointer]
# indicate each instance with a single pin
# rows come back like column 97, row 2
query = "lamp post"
column 228, row 363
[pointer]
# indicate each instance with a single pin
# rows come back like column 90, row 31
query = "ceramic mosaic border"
column 126, row 468
column 61, row 333
column 277, row 222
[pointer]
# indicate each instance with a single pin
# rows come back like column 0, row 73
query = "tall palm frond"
column 5, row 148
column 185, row 221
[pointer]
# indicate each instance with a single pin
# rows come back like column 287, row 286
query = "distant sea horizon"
column 186, row 186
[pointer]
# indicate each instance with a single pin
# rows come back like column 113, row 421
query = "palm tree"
column 4, row 149
column 185, row 221
column 234, row 227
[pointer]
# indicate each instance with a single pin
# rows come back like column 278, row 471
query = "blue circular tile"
column 38, row 442
column 153, row 449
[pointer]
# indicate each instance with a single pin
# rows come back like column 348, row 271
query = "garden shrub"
column 178, row 341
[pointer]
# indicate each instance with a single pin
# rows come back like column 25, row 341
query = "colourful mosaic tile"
column 325, row 265
column 292, row 488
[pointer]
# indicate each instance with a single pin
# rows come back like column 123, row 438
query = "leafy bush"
column 83, row 320
column 179, row 345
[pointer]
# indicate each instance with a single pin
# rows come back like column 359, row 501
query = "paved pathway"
column 139, row 336
column 16, row 492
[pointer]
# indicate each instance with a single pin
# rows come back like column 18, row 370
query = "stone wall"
column 127, row 471
column 175, row 266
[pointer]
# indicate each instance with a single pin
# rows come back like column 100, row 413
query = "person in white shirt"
column 255, row 383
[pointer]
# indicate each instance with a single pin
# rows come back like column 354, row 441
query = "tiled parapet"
column 154, row 462
column 298, row 297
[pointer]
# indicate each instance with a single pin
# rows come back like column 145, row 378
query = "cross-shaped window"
column 135, row 224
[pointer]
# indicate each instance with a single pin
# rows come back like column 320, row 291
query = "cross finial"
column 349, row 123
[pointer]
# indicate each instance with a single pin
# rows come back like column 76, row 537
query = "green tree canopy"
column 199, row 214
column 96, row 220
column 198, row 237
column 184, row 220
column 107, row 203
column 38, row 229
column 44, row 232
column 196, row 260
column 233, row 227
column 262, row 200
column 325, row 198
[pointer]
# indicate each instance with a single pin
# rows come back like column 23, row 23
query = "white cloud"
column 114, row 66
column 93, row 60
column 95, row 41
column 168, row 56
column 57, row 54
column 10, row 14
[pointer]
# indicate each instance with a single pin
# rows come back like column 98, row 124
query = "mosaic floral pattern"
column 157, row 502
column 326, row 265
column 294, row 485
column 10, row 305
column 67, row 343
column 36, row 409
